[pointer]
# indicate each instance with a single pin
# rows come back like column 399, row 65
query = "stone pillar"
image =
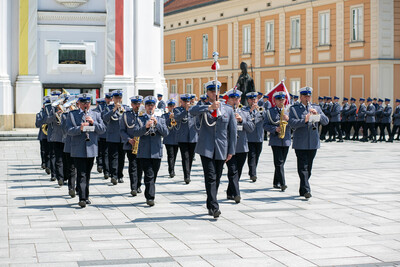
column 29, row 91
column 6, row 96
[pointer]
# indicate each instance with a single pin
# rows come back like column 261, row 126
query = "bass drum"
column 158, row 112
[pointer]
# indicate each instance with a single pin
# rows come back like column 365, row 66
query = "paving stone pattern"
column 353, row 218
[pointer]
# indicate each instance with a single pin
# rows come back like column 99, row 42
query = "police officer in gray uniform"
column 386, row 120
column 360, row 123
column 280, row 146
column 396, row 122
column 370, row 121
column 378, row 118
column 335, row 121
column 351, row 118
column 84, row 143
column 171, row 145
column 245, row 125
column 344, row 117
column 100, row 160
column 217, row 141
column 150, row 129
column 256, row 137
column 44, row 151
column 161, row 104
column 305, row 137
column 267, row 104
column 103, row 146
column 186, row 135
column 128, row 122
column 116, row 154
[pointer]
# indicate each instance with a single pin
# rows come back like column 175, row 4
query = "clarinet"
column 87, row 133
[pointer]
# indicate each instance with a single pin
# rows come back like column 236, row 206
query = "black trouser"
column 335, row 129
column 116, row 158
column 384, row 126
column 134, row 170
column 396, row 129
column 350, row 125
column 102, row 159
column 70, row 170
column 150, row 168
column 172, row 151
column 371, row 128
column 235, row 167
column 45, row 153
column 58, row 153
column 280, row 154
column 343, row 128
column 83, row 169
column 52, row 158
column 305, row 160
column 253, row 157
column 359, row 124
column 187, row 155
column 212, row 175
column 324, row 130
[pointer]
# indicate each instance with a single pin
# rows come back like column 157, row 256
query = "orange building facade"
column 341, row 48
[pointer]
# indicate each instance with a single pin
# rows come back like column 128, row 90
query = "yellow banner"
column 23, row 36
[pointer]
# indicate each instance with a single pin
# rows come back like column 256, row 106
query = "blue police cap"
column 336, row 98
column 279, row 95
column 234, row 93
column 387, row 100
column 320, row 98
column 328, row 98
column 352, row 99
column 369, row 99
column 84, row 98
column 380, row 100
column 117, row 93
column 203, row 97
column 185, row 97
column 306, row 90
column 56, row 93
column 213, row 85
column 259, row 93
column 397, row 100
column 46, row 99
column 136, row 99
column 345, row 99
column 375, row 98
column 252, row 95
column 100, row 100
column 159, row 95
column 295, row 97
column 266, row 96
column 108, row 95
column 150, row 100
column 362, row 99
column 171, row 102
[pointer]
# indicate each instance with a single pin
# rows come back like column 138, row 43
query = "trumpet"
column 261, row 109
column 173, row 121
column 152, row 130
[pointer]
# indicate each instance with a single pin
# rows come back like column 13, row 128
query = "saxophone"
column 135, row 146
column 282, row 124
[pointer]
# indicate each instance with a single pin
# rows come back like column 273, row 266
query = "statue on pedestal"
column 245, row 83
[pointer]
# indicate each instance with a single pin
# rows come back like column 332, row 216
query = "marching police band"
column 72, row 135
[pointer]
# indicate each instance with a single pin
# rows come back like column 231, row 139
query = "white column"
column 309, row 34
column 6, row 96
column 282, row 44
column 340, row 82
column 258, row 41
column 215, row 38
column 29, row 91
column 340, row 31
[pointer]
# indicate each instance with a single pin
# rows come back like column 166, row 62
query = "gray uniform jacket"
column 267, row 105
column 217, row 136
column 327, row 109
column 126, row 125
column 272, row 119
column 248, row 127
column 335, row 112
column 379, row 113
column 387, row 111
column 40, row 120
column 48, row 112
column 150, row 147
column 113, row 121
column 260, row 102
column 396, row 116
column 344, row 113
column 101, row 110
column 256, row 136
column 170, row 139
column 361, row 112
column 186, row 127
column 66, row 137
column 161, row 105
column 370, row 114
column 305, row 135
column 80, row 148
column 57, row 132
column 352, row 112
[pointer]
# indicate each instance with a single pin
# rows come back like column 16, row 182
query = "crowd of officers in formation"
column 72, row 135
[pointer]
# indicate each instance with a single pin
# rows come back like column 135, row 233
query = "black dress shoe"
column 48, row 171
column 237, row 199
column 82, row 203
column 88, row 202
column 283, row 188
column 307, row 195
column 340, row 141
column 187, row 181
column 171, row 175
column 328, row 140
column 106, row 176
column 374, row 141
column 210, row 212
column 230, row 198
column 150, row 202
column 389, row 141
column 60, row 182
column 139, row 190
column 216, row 213
column 277, row 186
column 253, row 178
column 99, row 169
column 52, row 179
column 43, row 166
column 114, row 181
column 134, row 193
column 120, row 180
column 72, row 193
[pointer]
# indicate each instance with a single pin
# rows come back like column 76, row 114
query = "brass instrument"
column 44, row 128
column 152, row 130
column 136, row 139
column 121, row 110
column 282, row 125
column 87, row 134
column 173, row 121
column 261, row 109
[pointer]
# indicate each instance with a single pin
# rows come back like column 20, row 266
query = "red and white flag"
column 278, row 88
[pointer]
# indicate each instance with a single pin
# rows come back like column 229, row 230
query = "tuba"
column 282, row 125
